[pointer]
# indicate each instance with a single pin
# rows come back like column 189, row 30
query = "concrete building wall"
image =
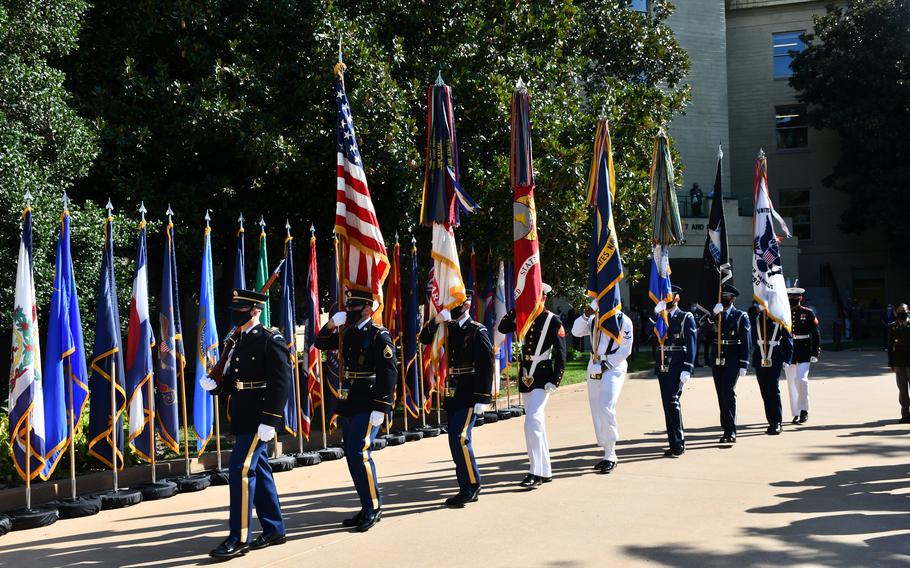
column 700, row 28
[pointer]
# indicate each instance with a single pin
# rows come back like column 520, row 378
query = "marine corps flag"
column 107, row 354
column 365, row 262
column 528, row 282
column 768, row 286
column 605, row 264
column 716, row 257
column 26, row 400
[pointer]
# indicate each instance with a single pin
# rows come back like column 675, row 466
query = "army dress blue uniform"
column 470, row 382
column 370, row 370
column 679, row 349
column 736, row 343
column 770, row 343
column 257, row 380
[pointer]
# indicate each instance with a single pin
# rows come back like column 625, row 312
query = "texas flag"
column 140, row 345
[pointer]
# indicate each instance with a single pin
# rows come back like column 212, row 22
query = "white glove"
column 550, row 388
column 376, row 418
column 208, row 384
column 339, row 318
column 480, row 408
column 760, row 308
column 684, row 376
column 785, row 365
column 742, row 372
column 266, row 433
column 660, row 307
column 813, row 359
column 444, row 315
column 718, row 308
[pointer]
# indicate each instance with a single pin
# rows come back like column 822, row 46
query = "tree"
column 855, row 78
column 229, row 106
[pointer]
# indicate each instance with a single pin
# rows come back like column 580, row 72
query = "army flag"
column 262, row 275
column 171, row 358
column 26, row 399
column 206, row 346
column 107, row 362
column 287, row 318
column 528, row 281
column 239, row 282
column 364, row 257
column 768, row 286
column 410, row 330
column 139, row 347
column 605, row 263
column 716, row 256
column 65, row 376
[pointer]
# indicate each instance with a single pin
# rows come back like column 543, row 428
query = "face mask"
column 354, row 313
column 239, row 318
column 458, row 312
column 901, row 315
column 794, row 301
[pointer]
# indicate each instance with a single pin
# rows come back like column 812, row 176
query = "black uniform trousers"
column 359, row 434
column 461, row 423
column 769, row 385
column 670, row 392
column 725, row 378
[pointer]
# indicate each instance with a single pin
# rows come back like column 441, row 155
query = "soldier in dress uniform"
column 606, row 374
column 467, row 390
column 676, row 367
column 543, row 361
column 806, row 350
column 899, row 358
column 731, row 363
column 366, row 391
column 772, row 350
column 257, row 379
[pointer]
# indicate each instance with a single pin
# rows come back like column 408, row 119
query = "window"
column 786, row 45
column 792, row 130
column 794, row 203
column 639, row 5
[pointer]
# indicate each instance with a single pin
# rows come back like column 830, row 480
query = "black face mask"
column 240, row 318
column 458, row 312
column 794, row 301
column 354, row 313
column 901, row 315
column 726, row 302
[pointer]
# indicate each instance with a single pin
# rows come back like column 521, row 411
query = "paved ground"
column 833, row 492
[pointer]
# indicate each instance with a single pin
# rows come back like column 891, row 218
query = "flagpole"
column 287, row 226
column 152, row 427
column 439, row 387
column 28, row 460
column 180, row 372
column 719, row 360
column 420, row 379
column 766, row 358
column 325, row 443
column 72, row 426
column 114, row 420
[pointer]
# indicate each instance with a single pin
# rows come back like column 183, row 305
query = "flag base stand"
column 392, row 439
column 36, row 517
column 429, row 431
column 479, row 420
column 331, row 453
column 308, row 458
column 504, row 413
column 283, row 463
column 218, row 476
column 5, row 525
column 83, row 506
column 120, row 498
column 411, row 435
column 491, row 417
column 191, row 483
column 378, row 444
column 154, row 490
column 517, row 411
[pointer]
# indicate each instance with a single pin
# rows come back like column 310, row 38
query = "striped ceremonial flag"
column 366, row 262
column 312, row 327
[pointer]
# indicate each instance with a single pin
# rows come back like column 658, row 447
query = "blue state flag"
column 65, row 373
column 107, row 363
column 605, row 264
column 206, row 349
column 287, row 317
column 171, row 358
column 660, row 289
column 239, row 259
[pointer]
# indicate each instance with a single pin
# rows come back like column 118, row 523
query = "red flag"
column 312, row 317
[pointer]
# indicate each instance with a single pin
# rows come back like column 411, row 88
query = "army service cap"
column 247, row 299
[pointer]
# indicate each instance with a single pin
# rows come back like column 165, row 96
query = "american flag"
column 355, row 218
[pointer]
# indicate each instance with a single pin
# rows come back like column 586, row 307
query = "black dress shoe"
column 458, row 500
column 353, row 521
column 608, row 466
column 904, row 420
column 723, row 440
column 368, row 520
column 599, row 465
column 731, row 439
column 795, row 420
column 774, row 429
column 473, row 493
column 264, row 541
column 803, row 417
column 545, row 479
column 531, row 481
column 230, row 548
column 674, row 452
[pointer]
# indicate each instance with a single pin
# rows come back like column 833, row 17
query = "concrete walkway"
column 833, row 492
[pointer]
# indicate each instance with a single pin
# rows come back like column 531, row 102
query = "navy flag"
column 171, row 358
column 716, row 257
column 605, row 265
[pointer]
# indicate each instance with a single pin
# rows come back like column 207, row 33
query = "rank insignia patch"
column 387, row 352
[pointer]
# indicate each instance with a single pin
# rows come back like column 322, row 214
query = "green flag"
column 262, row 274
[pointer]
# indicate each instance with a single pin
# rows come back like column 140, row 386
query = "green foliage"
column 230, row 106
column 854, row 77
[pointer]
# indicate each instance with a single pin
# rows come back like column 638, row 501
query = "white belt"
column 545, row 356
column 802, row 337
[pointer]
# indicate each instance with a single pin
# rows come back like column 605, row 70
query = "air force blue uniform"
column 257, row 381
column 770, row 343
column 680, row 348
column 736, row 341
column 371, row 370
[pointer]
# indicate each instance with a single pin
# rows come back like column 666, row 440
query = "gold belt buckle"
column 596, row 376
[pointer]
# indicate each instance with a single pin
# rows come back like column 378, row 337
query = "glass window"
column 792, row 130
column 794, row 203
column 639, row 5
column 786, row 45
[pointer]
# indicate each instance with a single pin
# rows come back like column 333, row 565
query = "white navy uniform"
column 606, row 375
